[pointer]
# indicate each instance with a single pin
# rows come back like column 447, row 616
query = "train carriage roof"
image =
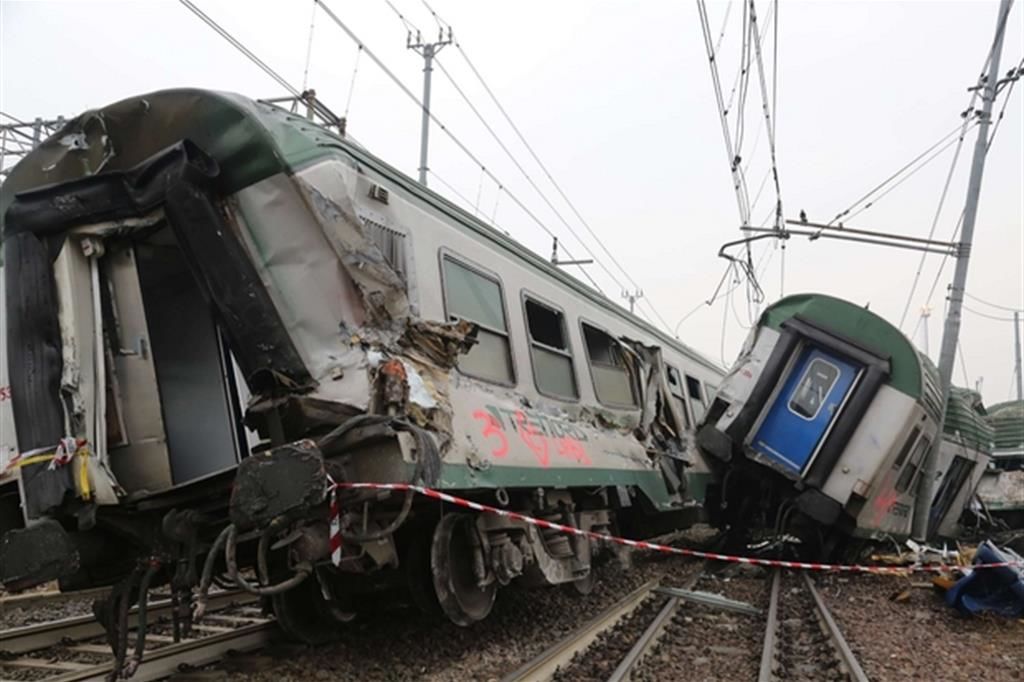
column 250, row 140
column 910, row 371
column 1007, row 419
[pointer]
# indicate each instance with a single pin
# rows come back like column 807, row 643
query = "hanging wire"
column 241, row 48
column 997, row 318
column 309, row 48
column 479, row 190
column 994, row 305
column 352, row 82
column 458, row 143
column 554, row 183
column 409, row 26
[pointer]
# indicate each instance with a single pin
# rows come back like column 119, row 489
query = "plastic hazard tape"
column 636, row 544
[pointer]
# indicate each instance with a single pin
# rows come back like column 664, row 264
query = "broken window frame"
column 912, row 469
column 678, row 392
column 689, row 381
column 446, row 255
column 617, row 346
column 567, row 353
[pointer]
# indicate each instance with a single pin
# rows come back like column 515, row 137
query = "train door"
column 804, row 409
column 958, row 473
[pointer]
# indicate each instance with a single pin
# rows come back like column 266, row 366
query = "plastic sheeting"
column 994, row 590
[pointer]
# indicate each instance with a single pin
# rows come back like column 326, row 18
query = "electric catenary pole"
column 427, row 50
column 951, row 330
column 1016, row 356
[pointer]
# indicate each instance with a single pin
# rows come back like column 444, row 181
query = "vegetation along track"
column 75, row 649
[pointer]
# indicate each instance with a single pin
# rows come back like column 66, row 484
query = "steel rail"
column 652, row 635
column 42, row 635
column 544, row 666
column 167, row 660
column 847, row 659
column 20, row 601
column 771, row 632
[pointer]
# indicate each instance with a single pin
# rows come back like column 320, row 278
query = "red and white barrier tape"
column 636, row 544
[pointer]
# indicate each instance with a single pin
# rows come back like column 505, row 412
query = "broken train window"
column 473, row 296
column 550, row 352
column 612, row 383
column 694, row 388
column 675, row 385
column 909, row 473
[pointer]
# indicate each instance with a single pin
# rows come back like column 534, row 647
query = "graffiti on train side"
column 545, row 436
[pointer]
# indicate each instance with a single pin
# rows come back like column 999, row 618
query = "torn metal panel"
column 327, row 189
column 313, row 293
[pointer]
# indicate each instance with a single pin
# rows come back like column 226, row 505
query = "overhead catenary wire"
column 997, row 318
column 458, row 143
column 352, row 82
column 994, row 305
column 241, row 48
column 309, row 48
column 550, row 177
column 526, row 175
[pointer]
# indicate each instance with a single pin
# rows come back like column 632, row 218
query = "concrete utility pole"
column 1016, row 355
column 427, row 51
column 951, row 330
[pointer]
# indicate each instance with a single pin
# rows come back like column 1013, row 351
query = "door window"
column 809, row 396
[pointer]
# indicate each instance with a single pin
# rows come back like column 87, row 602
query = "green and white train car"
column 823, row 423
column 194, row 277
column 1002, row 489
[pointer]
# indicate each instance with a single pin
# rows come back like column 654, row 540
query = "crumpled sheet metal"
column 342, row 302
column 993, row 590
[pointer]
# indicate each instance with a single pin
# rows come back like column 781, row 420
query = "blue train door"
column 804, row 409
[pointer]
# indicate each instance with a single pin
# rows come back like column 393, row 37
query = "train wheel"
column 452, row 551
column 303, row 614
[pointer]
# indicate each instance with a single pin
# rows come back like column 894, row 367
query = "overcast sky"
column 616, row 99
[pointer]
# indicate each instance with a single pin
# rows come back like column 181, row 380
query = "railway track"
column 75, row 649
column 794, row 638
column 802, row 640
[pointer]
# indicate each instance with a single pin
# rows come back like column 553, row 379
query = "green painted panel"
column 860, row 325
column 650, row 482
column 1007, row 419
column 965, row 420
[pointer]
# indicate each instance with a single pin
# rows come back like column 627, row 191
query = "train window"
column 608, row 368
column 905, row 450
column 909, row 473
column 814, row 387
column 550, row 352
column 675, row 386
column 693, row 387
column 473, row 296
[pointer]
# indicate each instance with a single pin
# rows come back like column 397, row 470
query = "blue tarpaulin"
column 995, row 590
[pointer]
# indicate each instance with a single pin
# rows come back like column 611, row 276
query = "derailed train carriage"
column 821, row 427
column 216, row 306
column 1001, row 491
